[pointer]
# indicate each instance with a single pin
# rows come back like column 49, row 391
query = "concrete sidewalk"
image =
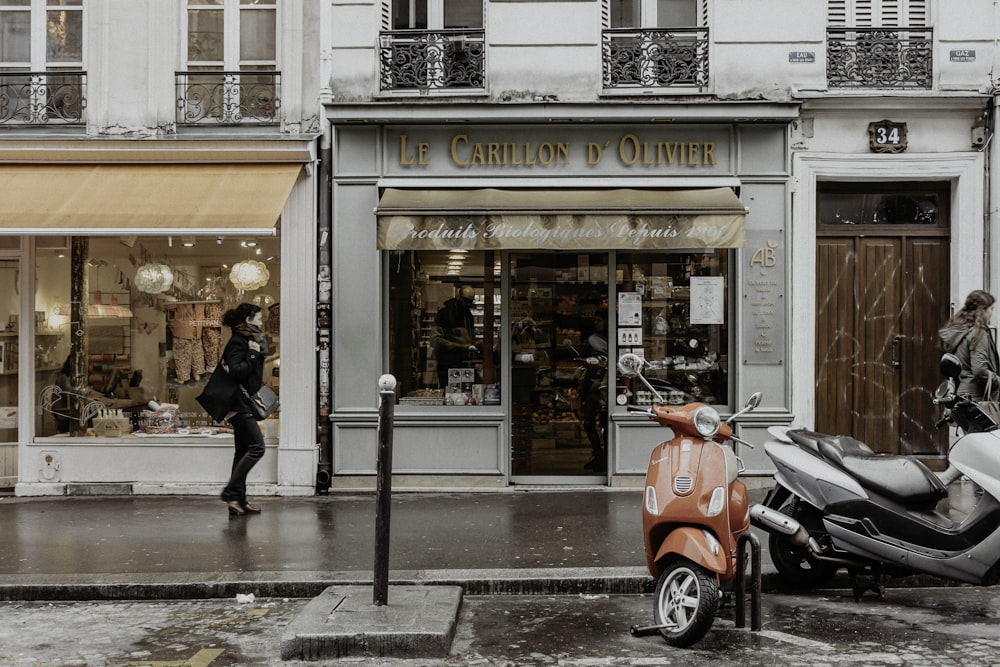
column 158, row 547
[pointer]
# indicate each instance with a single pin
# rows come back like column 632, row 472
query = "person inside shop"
column 239, row 373
column 595, row 400
column 967, row 336
column 454, row 334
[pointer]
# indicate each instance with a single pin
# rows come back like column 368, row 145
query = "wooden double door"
column 881, row 299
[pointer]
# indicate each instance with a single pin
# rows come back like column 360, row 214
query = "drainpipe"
column 324, row 472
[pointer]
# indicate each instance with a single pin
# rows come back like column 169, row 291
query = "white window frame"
column 38, row 35
column 231, row 15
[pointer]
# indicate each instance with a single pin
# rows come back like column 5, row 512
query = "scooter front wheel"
column 687, row 598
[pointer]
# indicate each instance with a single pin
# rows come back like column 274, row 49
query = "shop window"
column 673, row 310
column 444, row 327
column 128, row 330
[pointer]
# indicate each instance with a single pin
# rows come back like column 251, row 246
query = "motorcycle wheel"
column 686, row 600
column 797, row 567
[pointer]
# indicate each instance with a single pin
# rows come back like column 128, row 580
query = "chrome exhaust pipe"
column 774, row 521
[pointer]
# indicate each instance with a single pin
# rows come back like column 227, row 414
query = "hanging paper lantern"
column 249, row 275
column 154, row 278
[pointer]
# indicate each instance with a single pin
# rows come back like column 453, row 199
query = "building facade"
column 158, row 166
column 747, row 201
column 751, row 203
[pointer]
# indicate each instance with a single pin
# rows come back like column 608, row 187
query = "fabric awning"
column 167, row 198
column 564, row 219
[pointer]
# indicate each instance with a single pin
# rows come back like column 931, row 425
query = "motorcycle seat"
column 838, row 445
column 903, row 479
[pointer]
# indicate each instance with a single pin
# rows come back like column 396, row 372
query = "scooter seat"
column 836, row 445
column 903, row 479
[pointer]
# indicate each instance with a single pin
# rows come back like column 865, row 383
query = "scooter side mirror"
column 753, row 401
column 951, row 367
column 630, row 365
column 944, row 390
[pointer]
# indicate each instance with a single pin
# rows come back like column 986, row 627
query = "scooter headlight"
column 707, row 421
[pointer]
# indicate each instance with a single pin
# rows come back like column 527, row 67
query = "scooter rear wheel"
column 686, row 600
column 797, row 567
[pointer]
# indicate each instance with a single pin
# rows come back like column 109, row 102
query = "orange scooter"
column 695, row 509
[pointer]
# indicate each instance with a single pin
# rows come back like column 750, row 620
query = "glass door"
column 559, row 372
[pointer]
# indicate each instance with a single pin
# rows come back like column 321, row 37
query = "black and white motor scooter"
column 836, row 503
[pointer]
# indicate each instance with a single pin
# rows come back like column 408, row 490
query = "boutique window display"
column 130, row 330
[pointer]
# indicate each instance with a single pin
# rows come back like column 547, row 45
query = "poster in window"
column 707, row 300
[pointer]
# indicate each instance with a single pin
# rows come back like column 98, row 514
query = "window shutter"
column 836, row 13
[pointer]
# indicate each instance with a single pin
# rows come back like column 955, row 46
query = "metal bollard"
column 383, row 490
column 741, row 576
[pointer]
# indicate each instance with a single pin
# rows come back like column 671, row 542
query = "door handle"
column 895, row 350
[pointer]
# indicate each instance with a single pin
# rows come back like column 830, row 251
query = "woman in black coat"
column 241, row 368
column 967, row 335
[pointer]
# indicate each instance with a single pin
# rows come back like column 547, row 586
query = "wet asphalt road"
column 918, row 626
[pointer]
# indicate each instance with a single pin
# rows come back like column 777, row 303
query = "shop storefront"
column 117, row 273
column 507, row 266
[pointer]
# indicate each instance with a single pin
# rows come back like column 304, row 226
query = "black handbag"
column 263, row 403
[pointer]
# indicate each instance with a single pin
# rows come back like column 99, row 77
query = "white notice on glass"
column 707, row 297
column 629, row 309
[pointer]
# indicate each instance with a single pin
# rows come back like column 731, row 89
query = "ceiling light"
column 154, row 278
column 249, row 275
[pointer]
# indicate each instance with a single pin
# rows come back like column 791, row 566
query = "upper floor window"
column 432, row 14
column 231, row 56
column 232, row 35
column 432, row 45
column 655, row 43
column 879, row 44
column 654, row 13
column 41, row 61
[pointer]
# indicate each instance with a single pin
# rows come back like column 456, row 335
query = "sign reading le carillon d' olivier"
column 628, row 150
column 590, row 215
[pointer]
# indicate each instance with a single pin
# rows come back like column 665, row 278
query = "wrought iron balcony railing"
column 655, row 58
column 880, row 57
column 42, row 98
column 425, row 60
column 228, row 98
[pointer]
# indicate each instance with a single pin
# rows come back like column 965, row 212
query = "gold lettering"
column 494, row 149
column 404, row 159
column 477, row 154
column 709, row 153
column 464, row 140
column 629, row 140
column 422, row 148
column 529, row 156
column 594, row 153
column 692, row 153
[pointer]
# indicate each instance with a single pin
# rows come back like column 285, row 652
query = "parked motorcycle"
column 695, row 509
column 836, row 503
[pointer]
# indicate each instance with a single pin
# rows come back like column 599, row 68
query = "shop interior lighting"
column 249, row 275
column 154, row 278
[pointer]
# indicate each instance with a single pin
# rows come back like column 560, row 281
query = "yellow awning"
column 560, row 219
column 167, row 198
